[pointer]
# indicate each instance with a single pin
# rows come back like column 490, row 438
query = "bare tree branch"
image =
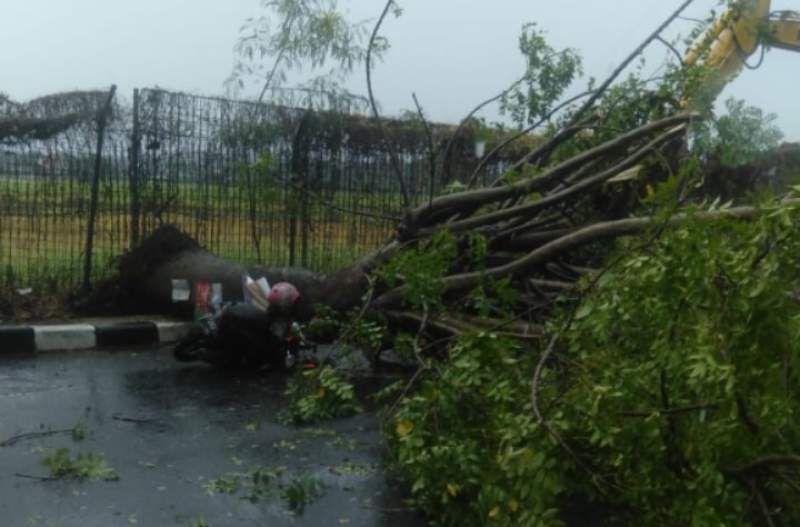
column 558, row 197
column 465, row 120
column 522, row 133
column 374, row 105
column 479, row 197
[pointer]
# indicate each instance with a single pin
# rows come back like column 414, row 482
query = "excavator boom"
column 737, row 35
column 784, row 30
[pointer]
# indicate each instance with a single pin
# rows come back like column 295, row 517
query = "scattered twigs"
column 34, row 435
column 137, row 420
column 37, row 478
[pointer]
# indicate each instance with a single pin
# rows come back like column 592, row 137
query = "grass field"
column 43, row 226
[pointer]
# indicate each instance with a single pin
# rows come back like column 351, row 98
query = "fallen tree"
column 533, row 222
column 528, row 386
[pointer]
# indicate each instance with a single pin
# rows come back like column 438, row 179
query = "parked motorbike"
column 242, row 335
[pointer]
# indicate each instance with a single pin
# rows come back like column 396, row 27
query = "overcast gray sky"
column 452, row 53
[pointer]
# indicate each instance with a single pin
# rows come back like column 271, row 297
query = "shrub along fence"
column 85, row 176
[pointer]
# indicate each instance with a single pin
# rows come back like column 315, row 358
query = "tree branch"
column 578, row 238
column 488, row 157
column 474, row 198
column 559, row 197
column 465, row 120
column 374, row 105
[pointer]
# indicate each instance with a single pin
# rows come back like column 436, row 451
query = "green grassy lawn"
column 43, row 224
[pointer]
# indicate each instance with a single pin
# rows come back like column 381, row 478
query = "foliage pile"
column 672, row 395
column 265, row 483
column 320, row 394
column 468, row 444
column 83, row 466
column 555, row 361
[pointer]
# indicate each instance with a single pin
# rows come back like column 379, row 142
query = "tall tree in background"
column 312, row 39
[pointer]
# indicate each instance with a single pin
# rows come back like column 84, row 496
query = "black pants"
column 249, row 337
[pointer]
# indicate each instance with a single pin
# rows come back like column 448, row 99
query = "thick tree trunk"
column 143, row 283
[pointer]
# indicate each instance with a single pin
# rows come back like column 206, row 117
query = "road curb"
column 69, row 337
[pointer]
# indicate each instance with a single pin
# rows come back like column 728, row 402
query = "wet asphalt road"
column 168, row 429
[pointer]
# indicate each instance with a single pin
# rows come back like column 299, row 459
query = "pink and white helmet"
column 283, row 295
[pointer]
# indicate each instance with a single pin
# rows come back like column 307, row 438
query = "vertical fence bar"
column 102, row 121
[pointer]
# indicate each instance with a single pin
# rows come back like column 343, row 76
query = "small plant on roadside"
column 199, row 522
column 84, row 466
column 79, row 432
column 300, row 492
column 318, row 395
column 224, row 485
column 263, row 484
column 41, row 521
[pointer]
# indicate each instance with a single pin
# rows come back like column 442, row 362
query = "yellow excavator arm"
column 784, row 30
column 738, row 34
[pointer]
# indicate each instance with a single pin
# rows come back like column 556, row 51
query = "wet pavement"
column 169, row 430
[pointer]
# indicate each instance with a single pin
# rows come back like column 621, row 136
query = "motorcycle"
column 240, row 335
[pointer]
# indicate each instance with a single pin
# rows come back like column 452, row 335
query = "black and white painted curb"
column 68, row 337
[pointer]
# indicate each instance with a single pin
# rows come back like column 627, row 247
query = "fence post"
column 305, row 219
column 102, row 121
column 298, row 200
column 133, row 173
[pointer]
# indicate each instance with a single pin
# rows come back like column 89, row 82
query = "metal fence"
column 252, row 182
